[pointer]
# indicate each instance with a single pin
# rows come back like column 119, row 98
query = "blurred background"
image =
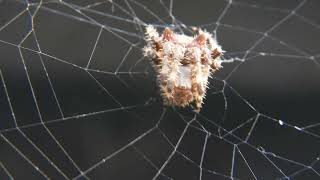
column 78, row 100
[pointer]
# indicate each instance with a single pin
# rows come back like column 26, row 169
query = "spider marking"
column 183, row 64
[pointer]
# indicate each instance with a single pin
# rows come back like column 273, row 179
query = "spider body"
column 183, row 64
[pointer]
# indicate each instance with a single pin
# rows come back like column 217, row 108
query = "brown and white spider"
column 183, row 64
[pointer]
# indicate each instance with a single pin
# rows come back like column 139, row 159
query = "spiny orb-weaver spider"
column 183, row 64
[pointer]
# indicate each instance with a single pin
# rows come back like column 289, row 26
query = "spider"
column 183, row 64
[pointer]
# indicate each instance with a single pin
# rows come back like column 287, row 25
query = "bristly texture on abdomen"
column 183, row 64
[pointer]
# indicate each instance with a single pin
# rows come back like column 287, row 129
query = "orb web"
column 79, row 101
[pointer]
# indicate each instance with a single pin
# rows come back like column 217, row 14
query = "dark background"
column 66, row 117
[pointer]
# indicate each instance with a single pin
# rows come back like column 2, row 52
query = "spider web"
column 78, row 100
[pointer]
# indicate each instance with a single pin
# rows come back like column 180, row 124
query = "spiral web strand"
column 79, row 101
